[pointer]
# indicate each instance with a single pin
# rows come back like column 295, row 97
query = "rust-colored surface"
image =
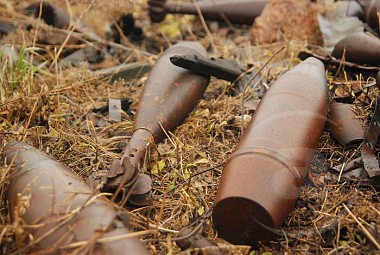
column 169, row 95
column 359, row 48
column 260, row 183
column 371, row 7
column 345, row 127
column 237, row 11
column 188, row 239
column 66, row 210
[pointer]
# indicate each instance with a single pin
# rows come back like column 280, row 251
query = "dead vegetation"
column 47, row 107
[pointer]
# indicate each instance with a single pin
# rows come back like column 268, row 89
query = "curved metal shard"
column 66, row 211
column 346, row 128
column 260, row 183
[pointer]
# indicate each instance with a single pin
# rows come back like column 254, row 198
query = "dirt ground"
column 47, row 108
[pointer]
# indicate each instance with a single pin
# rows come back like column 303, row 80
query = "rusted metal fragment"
column 126, row 72
column 359, row 48
column 237, row 12
column 141, row 193
column 190, row 239
column 169, row 95
column 346, row 128
column 62, row 208
column 370, row 161
column 261, row 180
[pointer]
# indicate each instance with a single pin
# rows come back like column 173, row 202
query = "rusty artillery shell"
column 346, row 128
column 359, row 48
column 62, row 208
column 169, row 95
column 237, row 12
column 260, row 183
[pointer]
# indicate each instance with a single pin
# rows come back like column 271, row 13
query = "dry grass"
column 47, row 108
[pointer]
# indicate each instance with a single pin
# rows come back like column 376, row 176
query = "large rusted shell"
column 346, row 128
column 63, row 209
column 359, row 48
column 260, row 183
column 237, row 11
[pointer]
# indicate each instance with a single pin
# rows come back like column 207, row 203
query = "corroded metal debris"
column 261, row 180
column 370, row 161
column 238, row 11
column 346, row 128
column 359, row 48
column 169, row 95
column 188, row 238
column 62, row 208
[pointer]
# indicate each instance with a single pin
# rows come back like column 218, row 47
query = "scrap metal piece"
column 169, row 95
column 62, row 208
column 126, row 72
column 261, row 180
column 237, row 12
column 370, row 161
column 114, row 110
column 346, row 128
column 359, row 48
column 188, row 239
column 219, row 68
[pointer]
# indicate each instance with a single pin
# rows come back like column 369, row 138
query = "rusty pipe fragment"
column 237, row 12
column 169, row 95
column 66, row 211
column 359, row 48
column 346, row 128
column 261, row 180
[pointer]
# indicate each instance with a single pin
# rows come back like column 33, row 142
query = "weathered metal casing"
column 237, row 12
column 359, row 48
column 261, row 180
column 169, row 95
column 46, row 194
column 345, row 126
